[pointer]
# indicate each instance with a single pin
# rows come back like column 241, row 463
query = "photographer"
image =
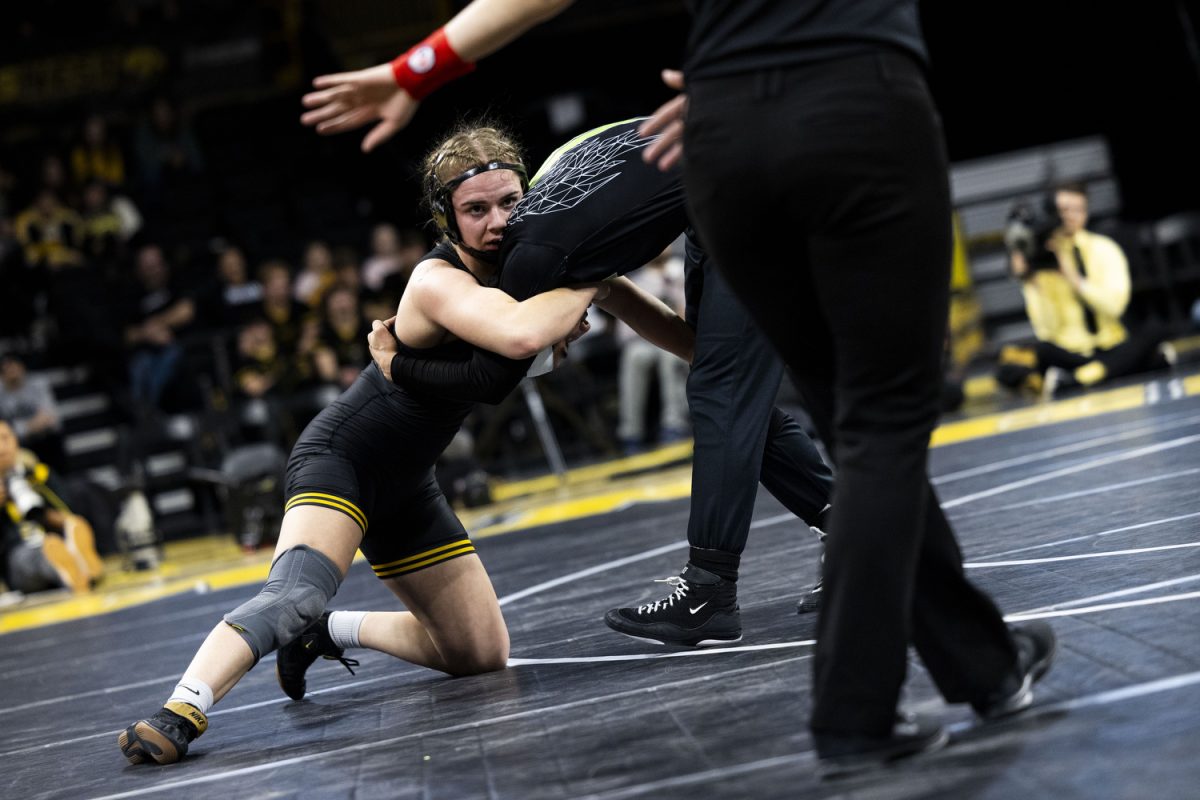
column 1076, row 287
column 42, row 544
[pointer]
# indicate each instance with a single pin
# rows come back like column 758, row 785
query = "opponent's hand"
column 561, row 347
column 383, row 345
column 348, row 100
column 667, row 121
column 581, row 327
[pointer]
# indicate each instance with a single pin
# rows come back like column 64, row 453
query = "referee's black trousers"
column 822, row 193
column 740, row 436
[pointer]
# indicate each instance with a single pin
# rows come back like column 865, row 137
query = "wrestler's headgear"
column 440, row 206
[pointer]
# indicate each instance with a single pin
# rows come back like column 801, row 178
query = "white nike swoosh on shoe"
column 697, row 608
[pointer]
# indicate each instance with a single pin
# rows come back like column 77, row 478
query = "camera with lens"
column 1027, row 231
column 29, row 504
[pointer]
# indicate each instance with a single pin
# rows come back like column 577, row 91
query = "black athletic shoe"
column 163, row 738
column 1036, row 646
column 841, row 754
column 811, row 601
column 702, row 610
column 298, row 655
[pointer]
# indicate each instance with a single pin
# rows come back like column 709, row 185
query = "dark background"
column 1006, row 75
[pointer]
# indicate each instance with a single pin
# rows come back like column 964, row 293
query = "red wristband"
column 428, row 65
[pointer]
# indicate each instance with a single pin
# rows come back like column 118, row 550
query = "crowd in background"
column 87, row 281
column 95, row 272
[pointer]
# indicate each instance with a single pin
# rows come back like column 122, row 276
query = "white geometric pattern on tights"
column 578, row 173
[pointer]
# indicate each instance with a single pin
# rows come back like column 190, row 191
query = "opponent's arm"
column 392, row 92
column 649, row 318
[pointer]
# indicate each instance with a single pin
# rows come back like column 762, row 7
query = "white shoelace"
column 681, row 590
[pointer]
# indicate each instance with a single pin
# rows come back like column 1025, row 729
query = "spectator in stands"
column 385, row 258
column 42, row 544
column 642, row 361
column 27, row 402
column 156, row 315
column 342, row 352
column 167, row 150
column 103, row 229
column 316, row 274
column 50, row 233
column 346, row 272
column 289, row 318
column 261, row 368
column 1076, row 306
column 275, row 385
column 55, row 178
column 375, row 305
column 236, row 298
column 98, row 157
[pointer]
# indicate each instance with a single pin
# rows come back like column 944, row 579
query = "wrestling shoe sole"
column 142, row 742
column 659, row 633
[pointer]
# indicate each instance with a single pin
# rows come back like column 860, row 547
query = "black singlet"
column 370, row 454
column 385, row 428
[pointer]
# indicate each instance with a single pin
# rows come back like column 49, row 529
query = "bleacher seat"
column 1175, row 246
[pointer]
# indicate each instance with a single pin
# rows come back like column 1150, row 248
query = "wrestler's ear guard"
column 440, row 207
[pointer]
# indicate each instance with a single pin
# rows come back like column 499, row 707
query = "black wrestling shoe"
column 811, row 602
column 842, row 754
column 163, row 738
column 298, row 655
column 702, row 611
column 1036, row 646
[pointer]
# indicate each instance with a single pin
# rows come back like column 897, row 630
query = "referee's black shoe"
column 702, row 611
column 164, row 737
column 1036, row 646
column 841, row 754
column 298, row 655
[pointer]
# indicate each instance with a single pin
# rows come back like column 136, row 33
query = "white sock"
column 344, row 627
column 194, row 692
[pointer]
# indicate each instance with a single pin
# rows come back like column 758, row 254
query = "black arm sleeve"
column 484, row 378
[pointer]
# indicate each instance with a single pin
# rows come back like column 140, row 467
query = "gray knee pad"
column 301, row 582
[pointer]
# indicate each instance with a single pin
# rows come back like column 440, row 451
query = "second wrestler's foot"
column 702, row 611
column 811, row 601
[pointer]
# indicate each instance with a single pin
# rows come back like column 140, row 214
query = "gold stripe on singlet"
column 428, row 558
column 329, row 501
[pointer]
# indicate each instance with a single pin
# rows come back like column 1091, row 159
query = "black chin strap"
column 486, row 256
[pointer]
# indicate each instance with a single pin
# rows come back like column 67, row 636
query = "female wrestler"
column 361, row 474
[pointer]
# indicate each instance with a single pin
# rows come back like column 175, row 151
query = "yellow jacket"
column 1056, row 309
